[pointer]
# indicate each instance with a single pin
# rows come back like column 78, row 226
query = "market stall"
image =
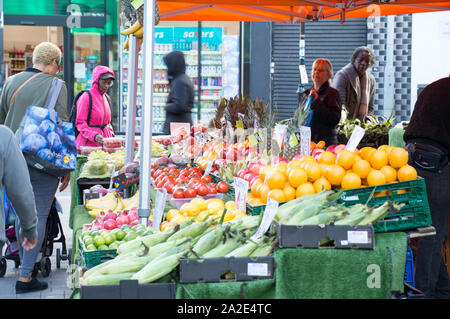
column 386, row 239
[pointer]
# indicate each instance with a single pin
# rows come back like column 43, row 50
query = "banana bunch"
column 136, row 30
column 231, row 170
column 131, row 202
column 158, row 150
column 105, row 203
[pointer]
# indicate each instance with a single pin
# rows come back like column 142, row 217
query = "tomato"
column 222, row 187
column 202, row 190
column 159, row 184
column 184, row 172
column 190, row 192
column 158, row 172
column 212, row 190
column 206, row 179
column 178, row 193
column 169, row 187
column 194, row 181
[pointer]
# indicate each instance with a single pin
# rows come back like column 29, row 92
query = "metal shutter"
column 332, row 40
column 285, row 76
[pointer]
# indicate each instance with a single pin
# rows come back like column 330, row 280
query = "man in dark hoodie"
column 427, row 139
column 181, row 96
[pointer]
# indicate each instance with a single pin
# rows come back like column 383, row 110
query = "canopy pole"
column 133, row 58
column 147, row 114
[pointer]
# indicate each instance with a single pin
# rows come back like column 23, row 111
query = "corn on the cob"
column 265, row 249
column 158, row 268
column 352, row 219
column 100, row 279
column 245, row 250
column 309, row 211
column 375, row 214
column 148, row 241
column 323, row 218
column 209, row 241
column 224, row 248
column 192, row 230
column 125, row 265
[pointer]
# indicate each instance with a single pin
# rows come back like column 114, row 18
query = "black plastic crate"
column 212, row 269
column 309, row 236
column 129, row 289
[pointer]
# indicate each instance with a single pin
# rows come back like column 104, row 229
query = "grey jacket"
column 346, row 81
column 15, row 178
column 33, row 93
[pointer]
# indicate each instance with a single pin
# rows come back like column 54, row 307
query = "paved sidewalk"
column 57, row 280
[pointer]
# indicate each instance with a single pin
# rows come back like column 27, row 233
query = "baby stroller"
column 53, row 229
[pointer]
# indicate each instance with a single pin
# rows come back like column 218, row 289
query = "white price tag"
column 355, row 138
column 257, row 269
column 160, row 204
column 208, row 168
column 305, row 143
column 269, row 214
column 240, row 194
column 351, row 197
column 358, row 237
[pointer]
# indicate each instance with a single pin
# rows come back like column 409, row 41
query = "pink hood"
column 100, row 114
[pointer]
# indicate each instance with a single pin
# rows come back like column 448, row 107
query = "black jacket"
column 327, row 113
column 430, row 120
column 181, row 96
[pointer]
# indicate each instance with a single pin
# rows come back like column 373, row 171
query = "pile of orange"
column 365, row 167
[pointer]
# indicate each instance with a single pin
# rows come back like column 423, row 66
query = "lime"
column 91, row 247
column 109, row 238
column 94, row 233
column 114, row 245
column 99, row 241
column 88, row 241
column 130, row 236
column 120, row 234
column 138, row 227
column 103, row 247
column 104, row 232
column 125, row 226
column 83, row 235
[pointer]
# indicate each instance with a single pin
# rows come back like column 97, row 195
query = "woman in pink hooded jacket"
column 99, row 126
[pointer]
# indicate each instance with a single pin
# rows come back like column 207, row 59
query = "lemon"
column 199, row 203
column 230, row 205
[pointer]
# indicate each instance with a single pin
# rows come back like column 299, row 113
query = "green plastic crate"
column 415, row 213
column 257, row 210
column 96, row 257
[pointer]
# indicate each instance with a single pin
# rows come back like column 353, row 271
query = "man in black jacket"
column 427, row 140
column 181, row 96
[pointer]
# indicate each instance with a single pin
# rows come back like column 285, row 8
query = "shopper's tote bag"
column 47, row 143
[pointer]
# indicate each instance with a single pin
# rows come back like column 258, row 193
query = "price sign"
column 269, row 214
column 240, row 124
column 160, row 204
column 294, row 139
column 208, row 168
column 305, row 138
column 253, row 140
column 240, row 194
column 355, row 138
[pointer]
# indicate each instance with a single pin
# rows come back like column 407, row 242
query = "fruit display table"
column 79, row 217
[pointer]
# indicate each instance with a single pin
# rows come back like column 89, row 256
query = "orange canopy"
column 290, row 11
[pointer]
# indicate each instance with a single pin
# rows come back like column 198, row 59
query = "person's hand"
column 99, row 139
column 28, row 243
column 64, row 182
column 363, row 110
column 314, row 93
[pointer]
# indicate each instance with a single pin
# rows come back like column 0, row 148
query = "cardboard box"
column 213, row 269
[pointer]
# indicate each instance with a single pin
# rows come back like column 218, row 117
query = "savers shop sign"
column 210, row 35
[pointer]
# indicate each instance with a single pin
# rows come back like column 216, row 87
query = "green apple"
column 99, row 241
column 109, row 238
column 120, row 234
column 103, row 247
column 130, row 236
column 91, row 247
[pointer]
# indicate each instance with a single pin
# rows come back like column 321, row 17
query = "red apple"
column 339, row 148
column 254, row 167
column 331, row 148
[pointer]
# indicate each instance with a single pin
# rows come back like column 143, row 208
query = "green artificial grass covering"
column 256, row 289
column 329, row 273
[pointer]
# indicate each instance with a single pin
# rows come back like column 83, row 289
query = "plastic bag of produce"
column 47, row 143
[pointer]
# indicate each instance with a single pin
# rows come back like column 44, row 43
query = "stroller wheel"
column 46, row 267
column 3, row 266
column 58, row 258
